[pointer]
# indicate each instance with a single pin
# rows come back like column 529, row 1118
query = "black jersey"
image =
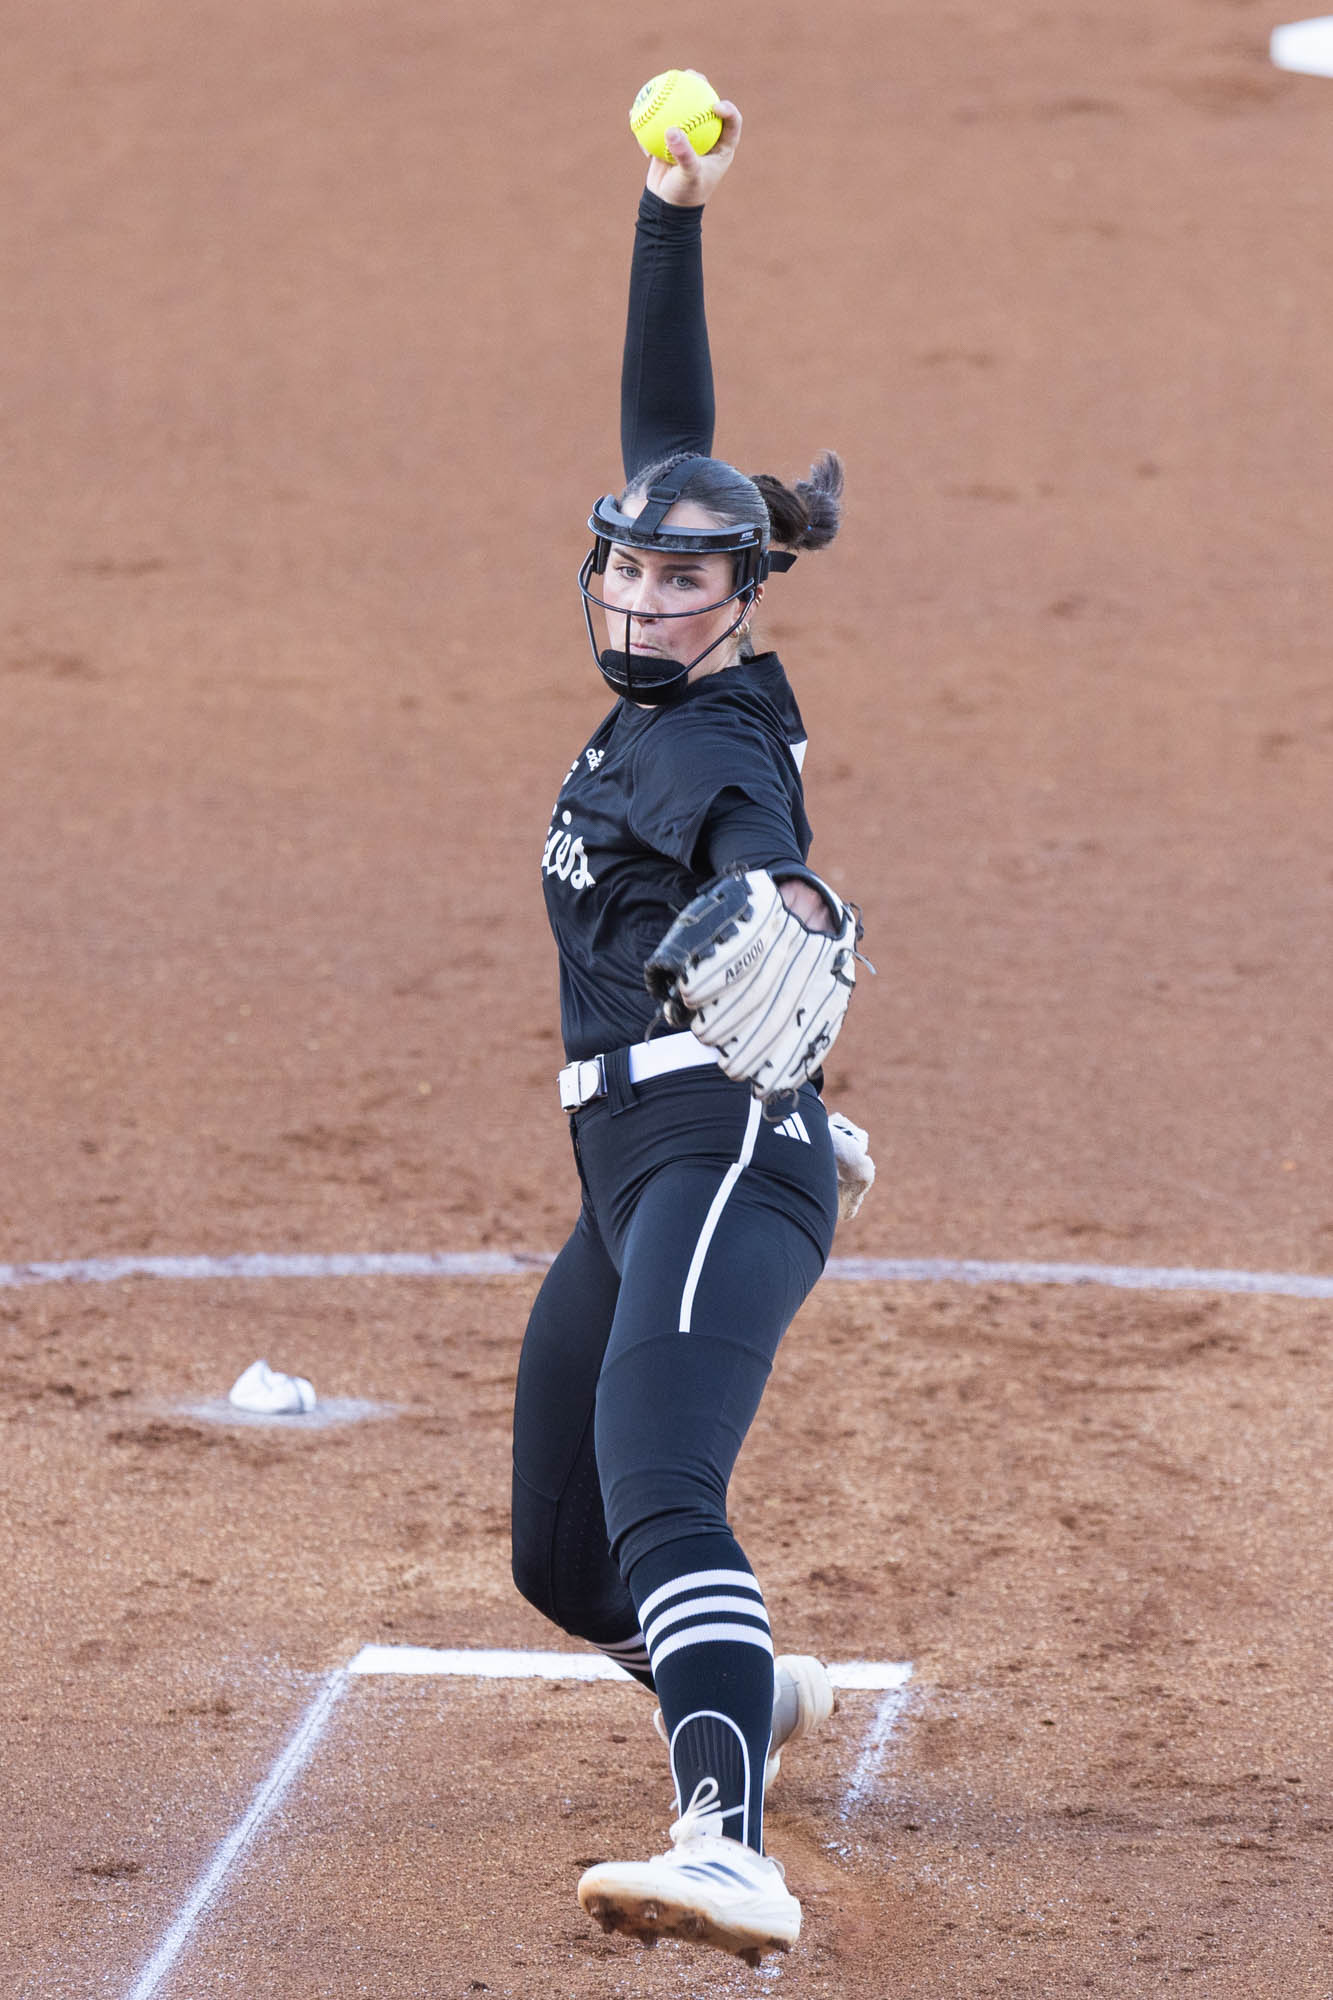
column 661, row 799
column 658, row 801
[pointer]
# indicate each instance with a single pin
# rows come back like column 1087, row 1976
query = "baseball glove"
column 744, row 974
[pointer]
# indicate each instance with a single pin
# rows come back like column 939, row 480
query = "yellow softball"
column 678, row 97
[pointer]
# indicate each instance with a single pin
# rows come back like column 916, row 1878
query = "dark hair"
column 809, row 514
column 804, row 516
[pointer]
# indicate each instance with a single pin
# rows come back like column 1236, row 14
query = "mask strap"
column 663, row 495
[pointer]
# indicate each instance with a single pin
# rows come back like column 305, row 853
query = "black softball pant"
column 702, row 1229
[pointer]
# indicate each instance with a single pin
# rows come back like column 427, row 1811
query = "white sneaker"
column 802, row 1699
column 710, row 1889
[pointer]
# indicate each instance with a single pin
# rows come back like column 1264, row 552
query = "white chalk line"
column 507, row 1263
column 260, row 1264
column 290, row 1761
column 473, row 1663
column 877, row 1740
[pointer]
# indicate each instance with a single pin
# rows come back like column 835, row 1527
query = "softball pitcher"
column 704, row 971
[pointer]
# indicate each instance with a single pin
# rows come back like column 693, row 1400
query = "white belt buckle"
column 580, row 1082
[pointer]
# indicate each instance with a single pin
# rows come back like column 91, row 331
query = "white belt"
column 580, row 1082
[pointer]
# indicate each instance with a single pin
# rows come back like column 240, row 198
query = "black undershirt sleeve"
column 742, row 832
column 666, row 380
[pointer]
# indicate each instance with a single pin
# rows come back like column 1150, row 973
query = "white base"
column 1305, row 46
column 265, row 1392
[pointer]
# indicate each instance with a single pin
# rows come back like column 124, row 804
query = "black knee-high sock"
column 703, row 1617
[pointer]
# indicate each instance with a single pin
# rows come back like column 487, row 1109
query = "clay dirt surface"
column 310, row 321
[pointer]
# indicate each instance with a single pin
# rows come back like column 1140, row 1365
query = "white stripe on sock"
column 676, row 1612
column 630, row 1661
column 714, row 1216
column 712, row 1635
column 632, row 1646
column 700, row 1579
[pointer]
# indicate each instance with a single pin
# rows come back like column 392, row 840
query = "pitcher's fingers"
column 731, row 123
column 679, row 147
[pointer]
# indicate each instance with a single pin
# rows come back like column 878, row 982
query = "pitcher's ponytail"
column 808, row 514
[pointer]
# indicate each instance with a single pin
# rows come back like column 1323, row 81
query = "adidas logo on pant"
column 793, row 1128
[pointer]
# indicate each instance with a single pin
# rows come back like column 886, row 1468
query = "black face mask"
column 649, row 678
column 653, row 679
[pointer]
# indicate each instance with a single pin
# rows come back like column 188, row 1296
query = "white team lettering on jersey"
column 566, row 857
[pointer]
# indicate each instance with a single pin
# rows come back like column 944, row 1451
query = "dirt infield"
column 310, row 335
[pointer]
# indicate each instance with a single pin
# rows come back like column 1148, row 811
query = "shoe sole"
column 649, row 1918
